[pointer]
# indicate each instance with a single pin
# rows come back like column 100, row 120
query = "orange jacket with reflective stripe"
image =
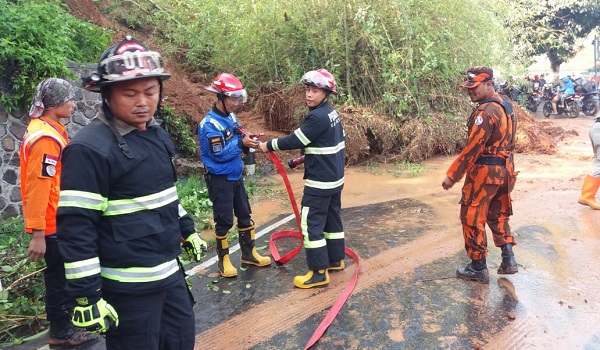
column 40, row 154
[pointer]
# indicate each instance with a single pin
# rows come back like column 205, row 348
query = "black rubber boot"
column 249, row 254
column 509, row 264
column 475, row 271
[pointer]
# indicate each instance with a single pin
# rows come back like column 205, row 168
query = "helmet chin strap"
column 224, row 107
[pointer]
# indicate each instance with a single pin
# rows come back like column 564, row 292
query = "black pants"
column 59, row 306
column 228, row 198
column 323, row 231
column 163, row 320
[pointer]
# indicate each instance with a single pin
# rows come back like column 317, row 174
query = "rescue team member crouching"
column 40, row 163
column 322, row 140
column 119, row 218
column 487, row 162
column 222, row 141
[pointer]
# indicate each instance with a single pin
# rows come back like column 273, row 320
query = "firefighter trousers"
column 228, row 198
column 322, row 230
column 161, row 320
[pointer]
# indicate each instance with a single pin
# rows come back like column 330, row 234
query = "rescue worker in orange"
column 487, row 163
column 40, row 162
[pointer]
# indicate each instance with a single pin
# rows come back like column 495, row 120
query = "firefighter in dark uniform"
column 487, row 162
column 120, row 223
column 222, row 141
column 322, row 141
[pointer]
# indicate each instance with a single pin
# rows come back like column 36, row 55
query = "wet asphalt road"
column 407, row 296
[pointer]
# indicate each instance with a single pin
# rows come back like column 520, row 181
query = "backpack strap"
column 508, row 110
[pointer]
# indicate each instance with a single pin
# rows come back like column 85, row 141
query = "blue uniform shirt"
column 220, row 146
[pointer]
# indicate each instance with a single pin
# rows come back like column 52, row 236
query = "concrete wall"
column 13, row 126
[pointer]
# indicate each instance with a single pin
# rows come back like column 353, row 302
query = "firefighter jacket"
column 322, row 139
column 39, row 159
column 221, row 144
column 489, row 147
column 119, row 218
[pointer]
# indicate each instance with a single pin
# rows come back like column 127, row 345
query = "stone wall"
column 13, row 127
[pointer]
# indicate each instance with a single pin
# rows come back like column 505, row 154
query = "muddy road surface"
column 406, row 230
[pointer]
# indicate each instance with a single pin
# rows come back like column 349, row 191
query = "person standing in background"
column 487, row 162
column 592, row 181
column 40, row 162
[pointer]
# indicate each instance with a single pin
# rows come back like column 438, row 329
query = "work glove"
column 98, row 317
column 195, row 247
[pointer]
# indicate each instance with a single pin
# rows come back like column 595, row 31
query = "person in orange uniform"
column 487, row 163
column 40, row 161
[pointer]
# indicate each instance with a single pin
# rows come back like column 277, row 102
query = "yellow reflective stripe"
column 141, row 274
column 325, row 150
column 308, row 244
column 274, row 145
column 300, row 135
column 182, row 211
column 82, row 199
column 132, row 205
column 324, row 185
column 334, row 235
column 83, row 268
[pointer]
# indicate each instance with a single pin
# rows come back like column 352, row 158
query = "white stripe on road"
column 236, row 247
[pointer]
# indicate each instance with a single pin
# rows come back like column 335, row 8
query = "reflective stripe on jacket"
column 322, row 139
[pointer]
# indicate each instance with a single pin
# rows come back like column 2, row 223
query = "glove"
column 98, row 317
column 195, row 247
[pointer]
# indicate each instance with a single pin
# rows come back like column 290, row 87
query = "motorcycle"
column 589, row 103
column 533, row 101
column 569, row 107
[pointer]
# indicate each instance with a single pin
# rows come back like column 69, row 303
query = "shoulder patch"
column 478, row 120
column 49, row 163
column 215, row 144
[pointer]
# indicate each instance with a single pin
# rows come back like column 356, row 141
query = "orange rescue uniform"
column 40, row 173
column 486, row 191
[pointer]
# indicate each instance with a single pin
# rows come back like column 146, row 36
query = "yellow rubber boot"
column 337, row 265
column 224, row 265
column 588, row 192
column 314, row 278
column 249, row 254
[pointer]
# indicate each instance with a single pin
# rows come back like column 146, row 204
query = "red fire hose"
column 341, row 300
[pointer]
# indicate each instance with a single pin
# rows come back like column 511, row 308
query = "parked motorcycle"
column 533, row 101
column 589, row 103
column 570, row 106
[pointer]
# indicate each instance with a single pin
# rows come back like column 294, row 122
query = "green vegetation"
column 401, row 57
column 193, row 196
column 37, row 38
column 179, row 128
column 22, row 299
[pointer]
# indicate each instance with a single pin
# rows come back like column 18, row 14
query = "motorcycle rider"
column 567, row 89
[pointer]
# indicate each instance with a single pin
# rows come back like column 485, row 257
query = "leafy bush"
column 178, row 127
column 37, row 38
column 193, row 196
column 22, row 299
